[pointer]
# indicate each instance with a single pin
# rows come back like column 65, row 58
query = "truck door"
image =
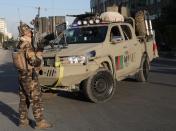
column 117, row 49
column 132, row 54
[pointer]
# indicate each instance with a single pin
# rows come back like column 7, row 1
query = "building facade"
column 4, row 34
column 153, row 6
column 99, row 6
column 48, row 24
column 3, row 26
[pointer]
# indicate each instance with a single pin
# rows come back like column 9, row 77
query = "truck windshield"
column 82, row 35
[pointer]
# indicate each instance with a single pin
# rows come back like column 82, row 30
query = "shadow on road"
column 130, row 80
column 10, row 113
column 73, row 95
column 8, row 78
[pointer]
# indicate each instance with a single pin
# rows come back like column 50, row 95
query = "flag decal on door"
column 124, row 61
column 119, row 62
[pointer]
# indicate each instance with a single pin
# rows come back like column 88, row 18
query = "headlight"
column 77, row 59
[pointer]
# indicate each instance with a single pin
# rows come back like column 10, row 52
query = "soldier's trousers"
column 30, row 94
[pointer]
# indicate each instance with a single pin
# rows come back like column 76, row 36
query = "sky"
column 15, row 10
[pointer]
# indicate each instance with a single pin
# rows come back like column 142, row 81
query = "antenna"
column 54, row 17
column 38, row 8
column 36, row 29
column 19, row 15
column 36, row 23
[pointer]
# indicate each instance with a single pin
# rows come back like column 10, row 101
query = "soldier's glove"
column 32, row 59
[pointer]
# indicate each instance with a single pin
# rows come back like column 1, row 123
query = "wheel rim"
column 102, row 88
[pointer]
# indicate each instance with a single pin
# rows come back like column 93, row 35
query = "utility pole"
column 54, row 18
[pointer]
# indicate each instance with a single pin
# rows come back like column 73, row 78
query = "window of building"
column 126, row 32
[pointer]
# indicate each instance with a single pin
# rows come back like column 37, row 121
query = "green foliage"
column 1, row 37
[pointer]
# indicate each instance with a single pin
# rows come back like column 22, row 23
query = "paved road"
column 135, row 107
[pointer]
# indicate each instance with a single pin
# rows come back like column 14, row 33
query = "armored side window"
column 115, row 34
column 126, row 32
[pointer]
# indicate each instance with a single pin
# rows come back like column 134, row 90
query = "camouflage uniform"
column 29, row 91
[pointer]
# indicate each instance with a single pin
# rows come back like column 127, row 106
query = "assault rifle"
column 36, row 33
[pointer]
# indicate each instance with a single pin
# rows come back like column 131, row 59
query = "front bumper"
column 66, row 75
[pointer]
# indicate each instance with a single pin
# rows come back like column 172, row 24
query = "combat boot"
column 23, row 123
column 43, row 124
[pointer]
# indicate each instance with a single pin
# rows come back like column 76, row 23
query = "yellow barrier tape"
column 60, row 69
column 57, row 64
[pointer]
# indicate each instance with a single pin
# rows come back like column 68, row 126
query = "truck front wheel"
column 100, row 87
column 142, row 75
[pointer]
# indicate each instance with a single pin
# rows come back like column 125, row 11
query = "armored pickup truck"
column 93, row 55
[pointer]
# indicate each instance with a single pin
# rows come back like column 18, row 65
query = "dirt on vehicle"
column 95, row 53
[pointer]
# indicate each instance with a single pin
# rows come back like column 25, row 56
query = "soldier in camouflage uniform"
column 30, row 92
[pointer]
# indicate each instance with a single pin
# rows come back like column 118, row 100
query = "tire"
column 143, row 74
column 100, row 87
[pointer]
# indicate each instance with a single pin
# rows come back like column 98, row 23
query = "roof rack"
column 87, row 16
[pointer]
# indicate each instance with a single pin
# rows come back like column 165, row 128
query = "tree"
column 1, row 37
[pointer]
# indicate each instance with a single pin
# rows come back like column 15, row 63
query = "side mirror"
column 116, row 40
